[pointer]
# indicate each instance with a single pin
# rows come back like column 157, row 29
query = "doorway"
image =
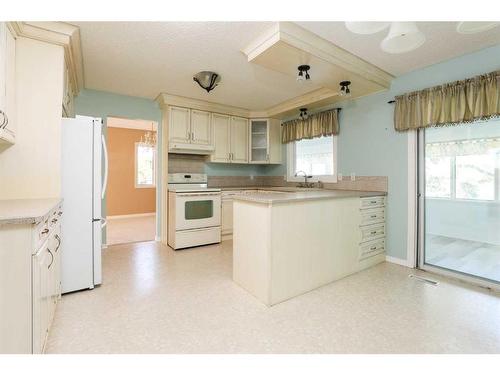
column 131, row 194
column 459, row 201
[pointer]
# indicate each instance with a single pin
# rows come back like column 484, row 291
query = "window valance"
column 316, row 125
column 453, row 103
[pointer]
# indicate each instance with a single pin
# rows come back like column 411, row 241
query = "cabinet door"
column 3, row 56
column 41, row 263
column 275, row 145
column 239, row 140
column 259, row 141
column 221, row 135
column 179, row 125
column 10, row 81
column 227, row 216
column 201, row 130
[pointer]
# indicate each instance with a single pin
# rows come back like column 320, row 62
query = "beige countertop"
column 26, row 211
column 298, row 195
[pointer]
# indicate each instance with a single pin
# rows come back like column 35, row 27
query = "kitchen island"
column 288, row 243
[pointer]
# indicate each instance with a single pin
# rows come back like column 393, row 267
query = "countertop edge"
column 51, row 203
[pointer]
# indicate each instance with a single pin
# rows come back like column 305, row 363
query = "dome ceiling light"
column 403, row 37
column 366, row 28
column 303, row 73
column 475, row 27
column 207, row 80
column 303, row 114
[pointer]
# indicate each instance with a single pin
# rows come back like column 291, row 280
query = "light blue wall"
column 105, row 104
column 369, row 145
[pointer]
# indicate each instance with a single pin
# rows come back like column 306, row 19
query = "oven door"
column 197, row 210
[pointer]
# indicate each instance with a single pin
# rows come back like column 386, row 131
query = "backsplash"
column 184, row 163
column 362, row 183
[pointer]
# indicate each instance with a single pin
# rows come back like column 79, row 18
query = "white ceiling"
column 146, row 58
column 442, row 43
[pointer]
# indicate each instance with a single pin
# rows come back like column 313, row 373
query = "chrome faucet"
column 306, row 176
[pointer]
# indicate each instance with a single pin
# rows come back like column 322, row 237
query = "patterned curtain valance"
column 316, row 125
column 453, row 103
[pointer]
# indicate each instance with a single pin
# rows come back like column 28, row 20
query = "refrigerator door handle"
column 105, row 181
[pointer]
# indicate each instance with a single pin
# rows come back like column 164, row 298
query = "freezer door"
column 77, row 164
column 98, row 144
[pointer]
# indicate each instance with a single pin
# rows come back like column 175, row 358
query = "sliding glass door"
column 459, row 200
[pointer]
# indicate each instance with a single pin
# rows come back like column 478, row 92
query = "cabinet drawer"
column 372, row 216
column 371, row 248
column 372, row 232
column 372, row 202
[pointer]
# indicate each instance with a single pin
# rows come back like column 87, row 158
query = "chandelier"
column 149, row 137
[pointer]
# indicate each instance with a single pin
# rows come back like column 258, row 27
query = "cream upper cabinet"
column 179, row 125
column 201, row 130
column 7, row 86
column 275, row 145
column 230, row 139
column 221, row 135
column 265, row 141
column 190, row 131
column 239, row 140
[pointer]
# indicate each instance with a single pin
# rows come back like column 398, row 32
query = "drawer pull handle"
column 373, row 232
column 52, row 258
column 373, row 248
column 58, row 242
column 54, row 220
column 59, row 213
column 373, row 201
column 45, row 231
column 373, row 216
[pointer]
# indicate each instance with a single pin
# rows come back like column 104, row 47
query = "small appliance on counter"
column 194, row 211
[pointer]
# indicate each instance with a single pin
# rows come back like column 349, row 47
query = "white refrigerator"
column 84, row 158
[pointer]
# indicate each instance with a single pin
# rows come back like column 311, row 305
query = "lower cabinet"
column 227, row 217
column 30, row 260
column 46, row 287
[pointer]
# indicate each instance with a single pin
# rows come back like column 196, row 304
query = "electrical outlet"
column 353, row 176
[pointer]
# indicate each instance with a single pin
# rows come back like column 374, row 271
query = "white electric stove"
column 194, row 211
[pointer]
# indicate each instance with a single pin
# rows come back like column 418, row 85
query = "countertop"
column 26, row 211
column 303, row 195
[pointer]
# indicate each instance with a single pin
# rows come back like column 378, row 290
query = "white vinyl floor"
column 130, row 229
column 156, row 300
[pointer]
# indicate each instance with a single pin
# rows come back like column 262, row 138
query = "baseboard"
column 226, row 237
column 401, row 262
column 131, row 215
column 104, row 246
column 157, row 238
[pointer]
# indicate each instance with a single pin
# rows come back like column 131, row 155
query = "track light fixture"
column 303, row 73
column 344, row 88
column 303, row 114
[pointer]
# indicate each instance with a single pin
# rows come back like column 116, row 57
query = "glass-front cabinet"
column 259, row 141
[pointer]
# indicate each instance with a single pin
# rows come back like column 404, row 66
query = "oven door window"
column 196, row 210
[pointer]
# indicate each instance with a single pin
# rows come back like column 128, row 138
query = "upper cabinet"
column 230, row 136
column 265, row 141
column 7, row 87
column 190, row 130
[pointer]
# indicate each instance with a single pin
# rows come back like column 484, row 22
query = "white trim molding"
column 130, row 216
column 401, row 262
column 58, row 33
column 411, row 249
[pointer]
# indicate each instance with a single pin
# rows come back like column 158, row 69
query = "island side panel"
column 313, row 243
column 251, row 248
